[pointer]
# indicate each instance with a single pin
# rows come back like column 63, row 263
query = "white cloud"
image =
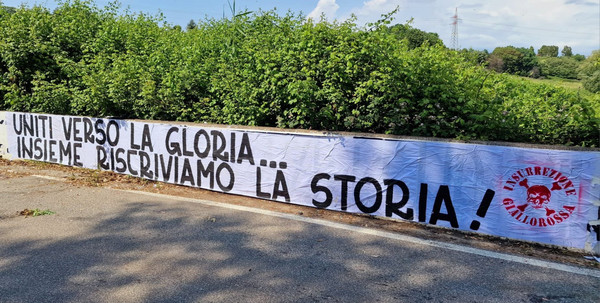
column 525, row 23
column 326, row 7
column 491, row 23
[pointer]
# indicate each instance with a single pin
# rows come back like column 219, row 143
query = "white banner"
column 539, row 195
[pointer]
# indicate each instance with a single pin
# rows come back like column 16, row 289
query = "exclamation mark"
column 598, row 227
column 483, row 207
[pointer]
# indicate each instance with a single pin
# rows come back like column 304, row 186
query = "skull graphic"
column 538, row 196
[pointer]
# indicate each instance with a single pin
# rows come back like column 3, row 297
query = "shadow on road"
column 154, row 251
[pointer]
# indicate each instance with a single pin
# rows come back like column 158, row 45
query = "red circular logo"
column 539, row 196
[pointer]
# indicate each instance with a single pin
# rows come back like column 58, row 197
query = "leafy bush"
column 540, row 113
column 271, row 70
column 562, row 67
column 589, row 72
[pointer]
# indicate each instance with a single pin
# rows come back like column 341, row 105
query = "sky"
column 483, row 24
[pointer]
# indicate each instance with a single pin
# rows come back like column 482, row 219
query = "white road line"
column 389, row 235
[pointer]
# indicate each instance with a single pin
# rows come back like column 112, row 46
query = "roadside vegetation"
column 267, row 69
column 35, row 212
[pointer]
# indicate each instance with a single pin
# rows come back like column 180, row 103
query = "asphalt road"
column 105, row 245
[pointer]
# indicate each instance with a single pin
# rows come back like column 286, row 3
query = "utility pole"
column 454, row 44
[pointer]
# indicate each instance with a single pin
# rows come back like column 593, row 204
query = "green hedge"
column 271, row 70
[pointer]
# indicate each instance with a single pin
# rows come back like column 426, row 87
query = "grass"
column 35, row 212
column 570, row 84
column 566, row 83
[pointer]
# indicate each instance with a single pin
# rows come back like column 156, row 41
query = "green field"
column 566, row 83
column 570, row 84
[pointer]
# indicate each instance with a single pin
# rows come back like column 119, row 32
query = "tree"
column 548, row 51
column 495, row 63
column 529, row 62
column 567, row 51
column 414, row 36
column 579, row 57
column 510, row 57
column 475, row 56
column 520, row 61
column 191, row 25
